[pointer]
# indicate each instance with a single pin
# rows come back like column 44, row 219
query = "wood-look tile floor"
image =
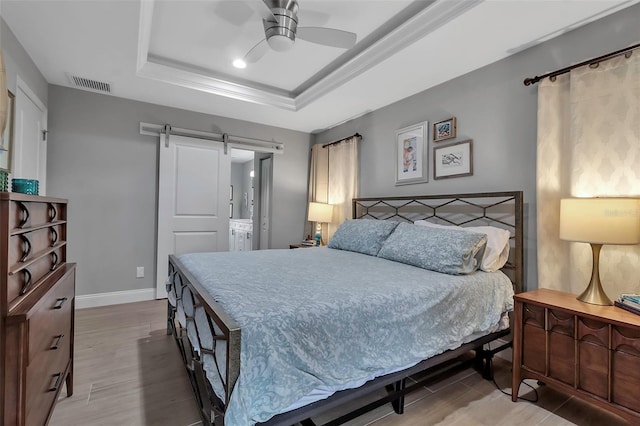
column 129, row 372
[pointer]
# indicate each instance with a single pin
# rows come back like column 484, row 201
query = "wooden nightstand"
column 589, row 351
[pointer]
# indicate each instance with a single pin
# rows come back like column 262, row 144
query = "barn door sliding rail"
column 242, row 142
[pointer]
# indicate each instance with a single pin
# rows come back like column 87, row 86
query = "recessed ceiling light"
column 239, row 63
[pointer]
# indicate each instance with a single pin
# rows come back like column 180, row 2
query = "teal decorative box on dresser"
column 37, row 300
column 25, row 186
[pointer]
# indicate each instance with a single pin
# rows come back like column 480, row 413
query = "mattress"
column 320, row 320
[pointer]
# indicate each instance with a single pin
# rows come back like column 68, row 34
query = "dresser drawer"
column 50, row 326
column 29, row 278
column 45, row 376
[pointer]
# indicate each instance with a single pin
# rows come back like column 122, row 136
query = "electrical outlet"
column 140, row 272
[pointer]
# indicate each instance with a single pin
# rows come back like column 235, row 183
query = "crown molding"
column 204, row 83
column 423, row 23
column 420, row 25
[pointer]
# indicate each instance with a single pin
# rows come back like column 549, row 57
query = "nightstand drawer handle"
column 56, row 380
column 59, row 303
column 57, row 342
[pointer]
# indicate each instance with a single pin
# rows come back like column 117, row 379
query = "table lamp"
column 320, row 213
column 599, row 221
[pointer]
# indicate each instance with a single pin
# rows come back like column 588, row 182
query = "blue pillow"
column 449, row 251
column 362, row 235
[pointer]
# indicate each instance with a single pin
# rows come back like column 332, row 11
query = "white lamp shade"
column 320, row 212
column 600, row 220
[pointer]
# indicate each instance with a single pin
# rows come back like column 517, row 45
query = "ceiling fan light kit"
column 281, row 32
column 280, row 22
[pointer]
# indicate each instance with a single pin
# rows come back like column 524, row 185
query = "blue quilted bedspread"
column 317, row 317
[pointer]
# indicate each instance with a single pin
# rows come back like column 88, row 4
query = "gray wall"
column 495, row 110
column 18, row 62
column 108, row 171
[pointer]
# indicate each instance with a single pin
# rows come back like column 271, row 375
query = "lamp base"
column 594, row 293
column 318, row 236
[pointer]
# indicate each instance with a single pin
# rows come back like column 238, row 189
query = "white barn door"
column 193, row 200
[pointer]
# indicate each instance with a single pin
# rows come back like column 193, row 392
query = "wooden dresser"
column 589, row 351
column 37, row 298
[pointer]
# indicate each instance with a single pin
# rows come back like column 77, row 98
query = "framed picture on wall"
column 412, row 154
column 445, row 129
column 455, row 160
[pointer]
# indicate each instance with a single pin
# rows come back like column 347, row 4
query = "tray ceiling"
column 180, row 53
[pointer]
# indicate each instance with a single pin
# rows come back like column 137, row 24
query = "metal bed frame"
column 501, row 209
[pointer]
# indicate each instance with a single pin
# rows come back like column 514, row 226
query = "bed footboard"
column 212, row 348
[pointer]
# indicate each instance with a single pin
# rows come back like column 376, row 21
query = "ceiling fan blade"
column 235, row 12
column 257, row 52
column 262, row 8
column 327, row 36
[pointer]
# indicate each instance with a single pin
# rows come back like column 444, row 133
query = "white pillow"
column 496, row 252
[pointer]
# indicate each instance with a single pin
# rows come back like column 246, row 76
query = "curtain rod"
column 355, row 135
column 626, row 51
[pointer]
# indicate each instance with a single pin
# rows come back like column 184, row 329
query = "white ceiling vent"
column 89, row 84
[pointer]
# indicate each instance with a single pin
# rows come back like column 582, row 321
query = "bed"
column 314, row 328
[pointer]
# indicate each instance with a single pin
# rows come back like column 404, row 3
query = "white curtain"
column 333, row 179
column 343, row 180
column 318, row 183
column 588, row 146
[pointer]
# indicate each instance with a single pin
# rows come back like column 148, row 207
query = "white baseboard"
column 114, row 298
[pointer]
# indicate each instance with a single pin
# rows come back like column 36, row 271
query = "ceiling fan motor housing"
column 281, row 34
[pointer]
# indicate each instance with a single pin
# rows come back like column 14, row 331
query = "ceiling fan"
column 280, row 21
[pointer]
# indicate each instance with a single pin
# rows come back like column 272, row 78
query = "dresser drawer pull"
column 57, row 342
column 56, row 380
column 52, row 212
column 24, row 214
column 27, row 281
column 26, row 248
column 59, row 303
column 54, row 236
column 54, row 261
